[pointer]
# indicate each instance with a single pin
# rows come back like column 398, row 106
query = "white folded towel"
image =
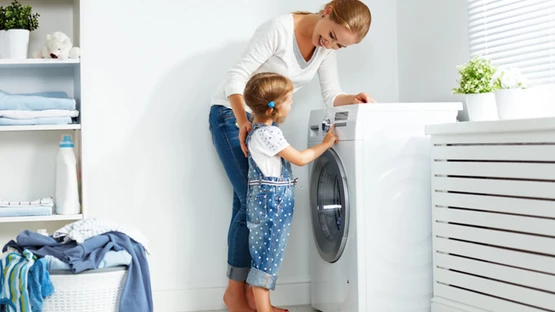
column 29, row 114
column 42, row 202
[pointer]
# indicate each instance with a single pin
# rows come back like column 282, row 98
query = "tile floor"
column 291, row 309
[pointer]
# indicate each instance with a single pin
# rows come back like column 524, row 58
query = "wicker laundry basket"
column 90, row 291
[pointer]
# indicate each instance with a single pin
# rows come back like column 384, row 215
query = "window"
column 515, row 33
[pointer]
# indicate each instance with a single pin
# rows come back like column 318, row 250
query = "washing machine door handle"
column 327, row 207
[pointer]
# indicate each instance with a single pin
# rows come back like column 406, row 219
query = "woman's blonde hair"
column 263, row 88
column 351, row 14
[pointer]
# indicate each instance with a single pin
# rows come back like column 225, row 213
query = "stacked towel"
column 39, row 207
column 45, row 108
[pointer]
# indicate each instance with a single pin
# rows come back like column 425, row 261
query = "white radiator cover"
column 493, row 210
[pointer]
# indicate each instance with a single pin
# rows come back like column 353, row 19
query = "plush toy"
column 58, row 45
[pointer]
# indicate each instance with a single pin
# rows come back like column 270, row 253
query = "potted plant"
column 477, row 85
column 511, row 95
column 16, row 23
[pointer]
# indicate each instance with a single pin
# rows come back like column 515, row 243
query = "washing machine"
column 370, row 207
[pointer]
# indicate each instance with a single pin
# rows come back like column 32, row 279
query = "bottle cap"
column 66, row 141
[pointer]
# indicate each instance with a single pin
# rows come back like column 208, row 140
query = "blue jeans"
column 225, row 137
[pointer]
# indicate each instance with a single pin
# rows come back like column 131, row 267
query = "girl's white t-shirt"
column 273, row 48
column 264, row 146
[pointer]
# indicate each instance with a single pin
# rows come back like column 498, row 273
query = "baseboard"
column 192, row 300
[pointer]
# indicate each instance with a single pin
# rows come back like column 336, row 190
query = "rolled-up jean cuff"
column 261, row 279
column 237, row 274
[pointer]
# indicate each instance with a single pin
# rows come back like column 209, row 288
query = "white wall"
column 148, row 158
column 433, row 40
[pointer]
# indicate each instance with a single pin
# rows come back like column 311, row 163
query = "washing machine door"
column 329, row 204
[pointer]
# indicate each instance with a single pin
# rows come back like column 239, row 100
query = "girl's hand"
column 363, row 97
column 331, row 138
column 244, row 129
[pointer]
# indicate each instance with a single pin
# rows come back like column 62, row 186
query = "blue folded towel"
column 48, row 94
column 35, row 121
column 36, row 101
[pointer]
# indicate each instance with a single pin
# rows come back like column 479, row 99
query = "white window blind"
column 515, row 33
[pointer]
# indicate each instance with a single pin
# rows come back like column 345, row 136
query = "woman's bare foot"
column 234, row 297
column 252, row 303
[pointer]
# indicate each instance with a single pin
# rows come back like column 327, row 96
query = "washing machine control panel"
column 326, row 124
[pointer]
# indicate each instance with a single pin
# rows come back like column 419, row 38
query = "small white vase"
column 481, row 107
column 515, row 104
column 14, row 43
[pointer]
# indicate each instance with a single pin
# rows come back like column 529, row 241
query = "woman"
column 297, row 46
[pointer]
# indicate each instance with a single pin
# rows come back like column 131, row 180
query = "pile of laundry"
column 26, row 263
column 44, row 108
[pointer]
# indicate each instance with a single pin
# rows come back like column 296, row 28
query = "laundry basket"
column 90, row 291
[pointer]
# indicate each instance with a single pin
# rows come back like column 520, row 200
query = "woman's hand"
column 363, row 97
column 348, row 99
column 244, row 129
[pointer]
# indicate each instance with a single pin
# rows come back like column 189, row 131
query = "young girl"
column 270, row 195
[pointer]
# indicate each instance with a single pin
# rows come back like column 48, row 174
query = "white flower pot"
column 514, row 104
column 481, row 107
column 14, row 43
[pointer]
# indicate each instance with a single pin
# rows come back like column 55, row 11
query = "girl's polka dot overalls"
column 270, row 202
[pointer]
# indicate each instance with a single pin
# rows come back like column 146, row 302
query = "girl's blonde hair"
column 264, row 88
column 351, row 14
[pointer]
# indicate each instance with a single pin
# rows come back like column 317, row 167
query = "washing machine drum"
column 329, row 206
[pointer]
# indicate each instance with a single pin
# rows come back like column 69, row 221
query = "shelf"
column 41, row 218
column 34, row 63
column 40, row 127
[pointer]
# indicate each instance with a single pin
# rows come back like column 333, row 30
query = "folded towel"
column 25, row 212
column 49, row 94
column 28, row 114
column 35, row 121
column 41, row 202
column 34, row 102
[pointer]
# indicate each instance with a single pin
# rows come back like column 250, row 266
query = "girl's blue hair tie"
column 271, row 104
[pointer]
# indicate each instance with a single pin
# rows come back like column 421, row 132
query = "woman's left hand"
column 363, row 97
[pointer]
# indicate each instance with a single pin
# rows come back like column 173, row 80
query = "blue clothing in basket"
column 136, row 295
column 24, row 282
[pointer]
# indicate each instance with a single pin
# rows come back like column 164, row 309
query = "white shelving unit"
column 41, row 127
column 36, row 63
column 41, row 218
column 28, row 153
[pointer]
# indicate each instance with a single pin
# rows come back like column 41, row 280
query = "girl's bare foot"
column 252, row 303
column 234, row 297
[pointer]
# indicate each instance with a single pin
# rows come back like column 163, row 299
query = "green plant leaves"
column 476, row 77
column 17, row 16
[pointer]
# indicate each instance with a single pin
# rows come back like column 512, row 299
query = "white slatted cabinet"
column 493, row 210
